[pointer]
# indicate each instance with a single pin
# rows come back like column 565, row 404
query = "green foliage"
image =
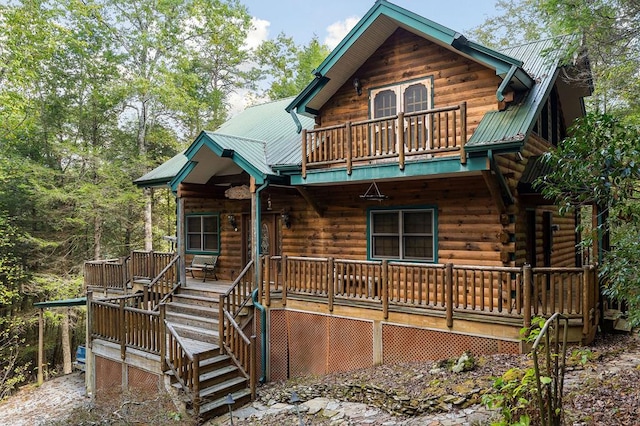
column 514, row 397
column 290, row 67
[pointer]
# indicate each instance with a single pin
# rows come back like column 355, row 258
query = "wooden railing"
column 121, row 320
column 163, row 285
column 235, row 304
column 418, row 133
column 185, row 366
column 508, row 292
column 107, row 274
column 146, row 265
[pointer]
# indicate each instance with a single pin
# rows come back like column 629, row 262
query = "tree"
column 290, row 67
column 599, row 164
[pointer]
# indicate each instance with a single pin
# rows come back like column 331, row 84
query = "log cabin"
column 385, row 214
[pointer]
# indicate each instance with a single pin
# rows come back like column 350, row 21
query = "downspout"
column 263, row 334
column 505, row 83
column 296, row 120
column 258, row 277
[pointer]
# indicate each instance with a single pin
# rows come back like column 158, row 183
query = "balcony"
column 418, row 135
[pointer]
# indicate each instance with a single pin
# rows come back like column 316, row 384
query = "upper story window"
column 203, row 233
column 404, row 234
column 550, row 122
column 404, row 97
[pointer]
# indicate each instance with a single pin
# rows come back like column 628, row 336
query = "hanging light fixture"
column 269, row 202
column 373, row 193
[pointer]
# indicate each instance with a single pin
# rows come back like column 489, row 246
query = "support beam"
column 305, row 194
column 41, row 346
column 494, row 189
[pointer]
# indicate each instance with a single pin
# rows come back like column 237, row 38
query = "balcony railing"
column 428, row 133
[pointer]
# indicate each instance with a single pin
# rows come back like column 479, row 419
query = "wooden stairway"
column 193, row 313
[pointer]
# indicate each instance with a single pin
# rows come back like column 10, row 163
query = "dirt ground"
column 603, row 390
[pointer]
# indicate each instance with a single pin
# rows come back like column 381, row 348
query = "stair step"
column 217, row 375
column 211, row 302
column 199, row 334
column 223, row 388
column 219, row 406
column 193, row 310
column 210, row 323
column 199, row 292
column 214, row 362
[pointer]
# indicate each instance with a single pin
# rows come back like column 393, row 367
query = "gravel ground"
column 39, row 405
column 604, row 390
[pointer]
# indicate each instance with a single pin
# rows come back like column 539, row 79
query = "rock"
column 316, row 405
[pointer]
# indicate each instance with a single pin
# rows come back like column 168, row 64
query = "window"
column 203, row 233
column 402, row 234
column 406, row 97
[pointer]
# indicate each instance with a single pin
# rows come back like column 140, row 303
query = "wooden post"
column 285, row 280
column 586, row 305
column 527, row 287
column 41, row 346
column 304, row 153
column 463, row 132
column 122, row 331
column 448, row 274
column 252, row 368
column 196, row 384
column 162, row 335
column 401, row 140
column 385, row 289
column 349, row 148
column 221, row 321
column 330, row 282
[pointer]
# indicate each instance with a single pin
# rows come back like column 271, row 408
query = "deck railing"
column 122, row 320
column 234, row 305
column 146, row 265
column 184, row 365
column 107, row 274
column 514, row 293
column 429, row 132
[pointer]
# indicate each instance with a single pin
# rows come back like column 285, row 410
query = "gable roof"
column 511, row 127
column 371, row 32
column 251, row 141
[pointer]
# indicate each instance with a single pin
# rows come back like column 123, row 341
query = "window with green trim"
column 203, row 233
column 406, row 234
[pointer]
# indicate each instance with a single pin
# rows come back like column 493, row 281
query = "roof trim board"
column 440, row 167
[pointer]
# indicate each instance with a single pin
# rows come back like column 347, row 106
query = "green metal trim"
column 79, row 301
column 204, row 139
column 186, row 231
column 432, row 207
column 413, row 169
column 183, row 173
column 308, row 92
column 505, row 83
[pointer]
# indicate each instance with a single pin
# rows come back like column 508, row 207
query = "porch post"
column 256, row 219
column 180, row 241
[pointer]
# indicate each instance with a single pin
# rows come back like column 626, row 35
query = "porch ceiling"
column 208, row 165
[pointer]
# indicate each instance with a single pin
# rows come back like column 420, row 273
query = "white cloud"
column 338, row 30
column 258, row 33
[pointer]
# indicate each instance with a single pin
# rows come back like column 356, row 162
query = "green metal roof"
column 162, row 175
column 509, row 129
column 368, row 35
column 256, row 139
column 79, row 301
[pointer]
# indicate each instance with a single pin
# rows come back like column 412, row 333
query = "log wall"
column 405, row 56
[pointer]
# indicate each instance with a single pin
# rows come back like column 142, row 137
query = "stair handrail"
column 233, row 341
column 187, row 374
column 149, row 287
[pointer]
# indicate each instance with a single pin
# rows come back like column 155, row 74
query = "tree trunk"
column 66, row 344
column 97, row 235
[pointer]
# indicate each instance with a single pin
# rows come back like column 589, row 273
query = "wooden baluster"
column 401, row 146
column 385, row 288
column 449, row 298
column 463, row 132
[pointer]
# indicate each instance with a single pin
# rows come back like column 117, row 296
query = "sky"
column 330, row 20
